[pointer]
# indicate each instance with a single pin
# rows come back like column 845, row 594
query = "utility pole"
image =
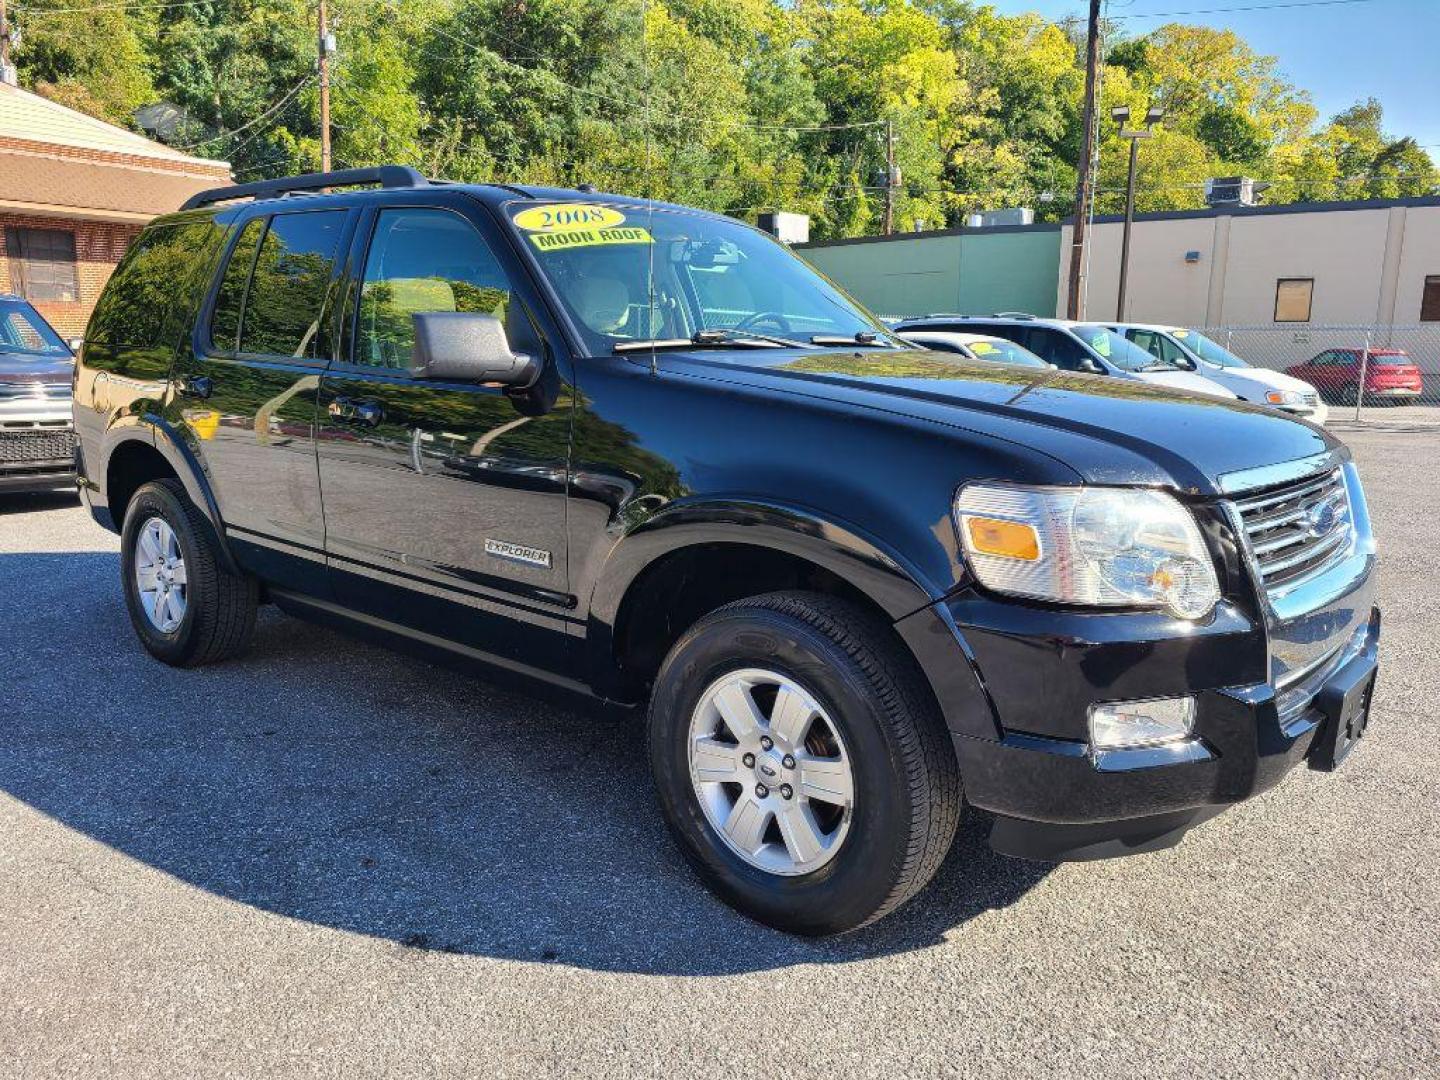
column 1084, row 182
column 892, row 177
column 325, row 45
column 7, row 71
column 1121, row 115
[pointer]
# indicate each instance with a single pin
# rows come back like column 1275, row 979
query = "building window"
column 42, row 263
column 1430, row 300
column 1292, row 299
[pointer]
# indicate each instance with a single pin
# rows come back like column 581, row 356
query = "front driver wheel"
column 805, row 778
column 186, row 607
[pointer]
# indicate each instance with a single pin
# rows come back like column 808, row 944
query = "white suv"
column 1204, row 356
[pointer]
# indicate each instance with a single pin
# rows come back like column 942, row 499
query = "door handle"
column 350, row 411
column 199, row 386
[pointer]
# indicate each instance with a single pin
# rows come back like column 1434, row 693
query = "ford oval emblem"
column 1320, row 519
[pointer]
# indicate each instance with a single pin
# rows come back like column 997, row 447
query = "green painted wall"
column 973, row 273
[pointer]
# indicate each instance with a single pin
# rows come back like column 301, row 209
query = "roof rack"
column 1013, row 315
column 387, row 176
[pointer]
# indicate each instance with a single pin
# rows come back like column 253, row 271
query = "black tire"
column 907, row 784
column 219, row 605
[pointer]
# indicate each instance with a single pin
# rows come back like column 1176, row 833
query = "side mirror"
column 75, row 343
column 1088, row 364
column 465, row 346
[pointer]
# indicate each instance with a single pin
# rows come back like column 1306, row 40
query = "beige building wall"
column 1369, row 266
column 1162, row 284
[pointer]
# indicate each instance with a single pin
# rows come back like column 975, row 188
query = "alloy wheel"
column 771, row 771
column 160, row 576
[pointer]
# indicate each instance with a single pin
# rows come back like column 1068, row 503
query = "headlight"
column 1284, row 397
column 1098, row 547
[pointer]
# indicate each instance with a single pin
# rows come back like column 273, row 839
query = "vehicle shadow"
column 334, row 782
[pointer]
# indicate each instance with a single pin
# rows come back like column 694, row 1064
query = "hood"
column 1106, row 429
column 1276, row 380
column 1186, row 380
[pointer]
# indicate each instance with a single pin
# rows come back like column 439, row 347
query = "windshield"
column 1115, row 349
column 633, row 274
column 1003, row 352
column 1209, row 350
column 24, row 332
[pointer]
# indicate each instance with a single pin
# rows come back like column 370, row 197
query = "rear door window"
column 288, row 301
column 225, row 323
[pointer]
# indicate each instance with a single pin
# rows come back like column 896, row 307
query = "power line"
column 32, row 11
column 271, row 111
column 1248, row 7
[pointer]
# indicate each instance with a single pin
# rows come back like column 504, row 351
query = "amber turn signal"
column 1008, row 539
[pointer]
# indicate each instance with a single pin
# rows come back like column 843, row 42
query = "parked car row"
column 645, row 455
column 1176, row 356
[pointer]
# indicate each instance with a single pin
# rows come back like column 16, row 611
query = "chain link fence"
column 1366, row 374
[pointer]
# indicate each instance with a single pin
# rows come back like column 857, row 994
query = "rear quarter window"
column 156, row 288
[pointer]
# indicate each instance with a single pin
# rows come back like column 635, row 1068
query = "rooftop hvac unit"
column 786, row 227
column 988, row 219
column 1233, row 191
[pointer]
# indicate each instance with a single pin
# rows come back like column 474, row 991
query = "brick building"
column 74, row 191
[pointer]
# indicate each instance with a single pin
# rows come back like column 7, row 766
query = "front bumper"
column 1056, row 799
column 1015, row 683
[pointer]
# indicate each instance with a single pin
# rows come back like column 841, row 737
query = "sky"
column 1340, row 52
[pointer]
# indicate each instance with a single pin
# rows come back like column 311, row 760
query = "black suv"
column 645, row 454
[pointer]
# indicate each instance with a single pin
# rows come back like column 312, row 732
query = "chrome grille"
column 1297, row 530
column 23, row 447
column 34, row 391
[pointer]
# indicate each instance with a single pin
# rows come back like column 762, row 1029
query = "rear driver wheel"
column 186, row 607
column 804, row 777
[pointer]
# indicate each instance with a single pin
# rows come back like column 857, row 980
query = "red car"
column 1389, row 375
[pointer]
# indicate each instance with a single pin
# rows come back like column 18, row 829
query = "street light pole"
column 1125, row 235
column 1121, row 115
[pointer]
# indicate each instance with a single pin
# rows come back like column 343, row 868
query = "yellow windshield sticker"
column 1182, row 333
column 1101, row 344
column 573, row 238
column 980, row 348
column 568, row 217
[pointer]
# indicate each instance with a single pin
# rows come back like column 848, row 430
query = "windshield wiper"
column 721, row 335
column 861, row 337
column 718, row 338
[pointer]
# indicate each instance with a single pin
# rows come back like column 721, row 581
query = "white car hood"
column 1186, row 380
column 1275, row 380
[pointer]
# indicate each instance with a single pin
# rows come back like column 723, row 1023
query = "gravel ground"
column 326, row 859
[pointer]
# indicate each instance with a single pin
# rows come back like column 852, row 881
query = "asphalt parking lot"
column 326, row 859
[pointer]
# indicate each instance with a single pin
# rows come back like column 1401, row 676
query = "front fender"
column 883, row 575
